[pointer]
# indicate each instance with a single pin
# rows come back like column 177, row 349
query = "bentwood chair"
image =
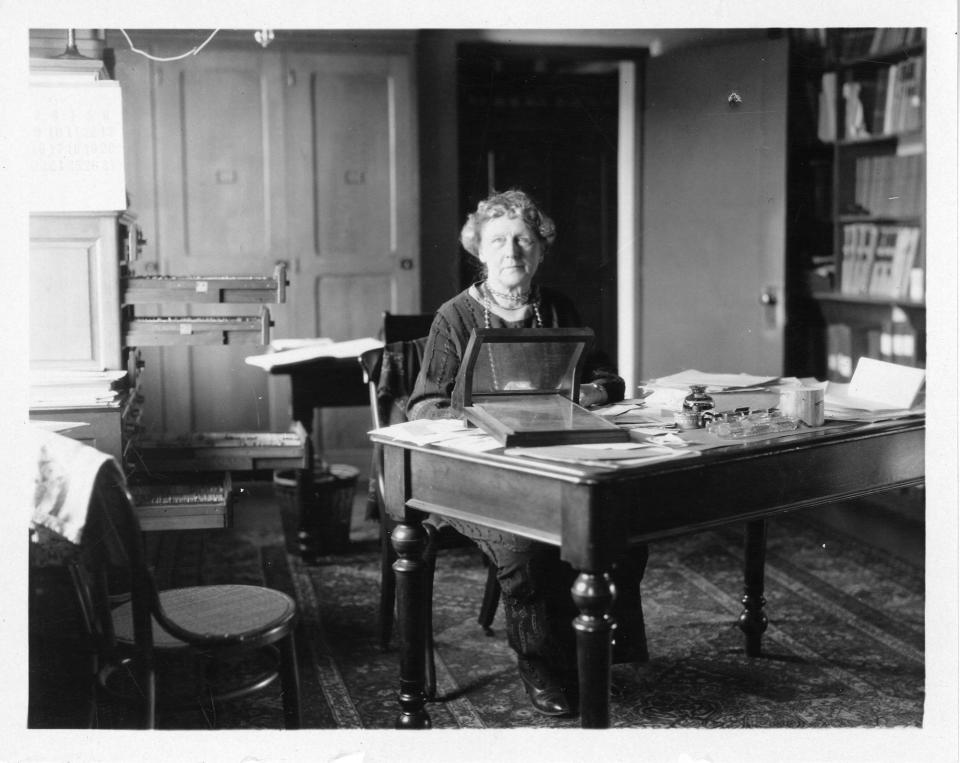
column 237, row 638
column 390, row 374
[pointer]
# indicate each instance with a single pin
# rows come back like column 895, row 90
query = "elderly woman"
column 510, row 236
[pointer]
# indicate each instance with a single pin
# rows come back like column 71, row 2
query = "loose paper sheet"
column 352, row 348
column 885, row 385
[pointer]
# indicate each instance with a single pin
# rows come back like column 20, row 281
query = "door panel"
column 225, row 174
column 352, row 201
column 354, row 198
column 714, row 191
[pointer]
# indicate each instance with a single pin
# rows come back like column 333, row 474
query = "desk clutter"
column 692, row 411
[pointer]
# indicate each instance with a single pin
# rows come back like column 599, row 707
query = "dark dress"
column 534, row 581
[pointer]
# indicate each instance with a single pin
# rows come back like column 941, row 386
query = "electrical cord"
column 191, row 52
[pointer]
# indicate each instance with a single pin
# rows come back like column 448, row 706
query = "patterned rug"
column 844, row 647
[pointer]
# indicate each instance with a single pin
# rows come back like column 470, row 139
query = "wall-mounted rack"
column 156, row 289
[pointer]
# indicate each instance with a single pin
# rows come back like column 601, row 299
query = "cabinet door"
column 74, row 292
column 714, row 191
column 351, row 204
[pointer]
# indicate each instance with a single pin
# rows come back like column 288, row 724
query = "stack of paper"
column 668, row 392
column 75, row 389
column 611, row 455
column 714, row 382
column 448, row 433
column 878, row 390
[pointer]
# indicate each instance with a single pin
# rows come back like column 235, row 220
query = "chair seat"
column 238, row 613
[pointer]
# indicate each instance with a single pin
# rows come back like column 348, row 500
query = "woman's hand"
column 592, row 394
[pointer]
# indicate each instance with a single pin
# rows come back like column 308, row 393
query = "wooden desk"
column 593, row 514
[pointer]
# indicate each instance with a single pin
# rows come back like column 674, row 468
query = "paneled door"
column 351, row 221
column 714, row 209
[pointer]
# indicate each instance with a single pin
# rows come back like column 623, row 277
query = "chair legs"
column 491, row 598
column 290, row 683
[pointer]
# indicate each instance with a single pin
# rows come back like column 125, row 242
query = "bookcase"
column 871, row 114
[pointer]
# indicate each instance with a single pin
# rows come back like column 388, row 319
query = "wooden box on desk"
column 521, row 386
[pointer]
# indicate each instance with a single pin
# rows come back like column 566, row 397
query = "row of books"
column 878, row 260
column 858, row 42
column 889, row 185
column 887, row 102
column 894, row 341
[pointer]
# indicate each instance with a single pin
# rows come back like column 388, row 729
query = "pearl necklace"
column 517, row 300
column 487, row 308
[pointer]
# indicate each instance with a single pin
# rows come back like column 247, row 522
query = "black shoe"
column 546, row 692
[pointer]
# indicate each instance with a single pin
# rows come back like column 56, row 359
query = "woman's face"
column 511, row 251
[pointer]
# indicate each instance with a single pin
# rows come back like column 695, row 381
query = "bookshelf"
column 871, row 115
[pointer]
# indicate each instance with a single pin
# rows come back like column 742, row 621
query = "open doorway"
column 545, row 119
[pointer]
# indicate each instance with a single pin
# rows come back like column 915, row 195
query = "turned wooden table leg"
column 593, row 594
column 410, row 540
column 753, row 622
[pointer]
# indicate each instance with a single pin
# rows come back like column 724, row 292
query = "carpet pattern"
column 844, row 647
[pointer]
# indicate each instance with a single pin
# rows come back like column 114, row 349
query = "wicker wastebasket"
column 316, row 518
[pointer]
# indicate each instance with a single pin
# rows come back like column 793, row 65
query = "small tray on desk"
column 521, row 386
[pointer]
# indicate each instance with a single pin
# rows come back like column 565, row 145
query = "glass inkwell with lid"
column 521, row 386
column 697, row 403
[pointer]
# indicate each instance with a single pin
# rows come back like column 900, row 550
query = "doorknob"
column 772, row 313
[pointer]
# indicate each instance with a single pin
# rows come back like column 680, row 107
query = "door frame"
column 629, row 201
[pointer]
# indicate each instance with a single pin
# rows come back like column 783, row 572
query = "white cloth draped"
column 64, row 472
